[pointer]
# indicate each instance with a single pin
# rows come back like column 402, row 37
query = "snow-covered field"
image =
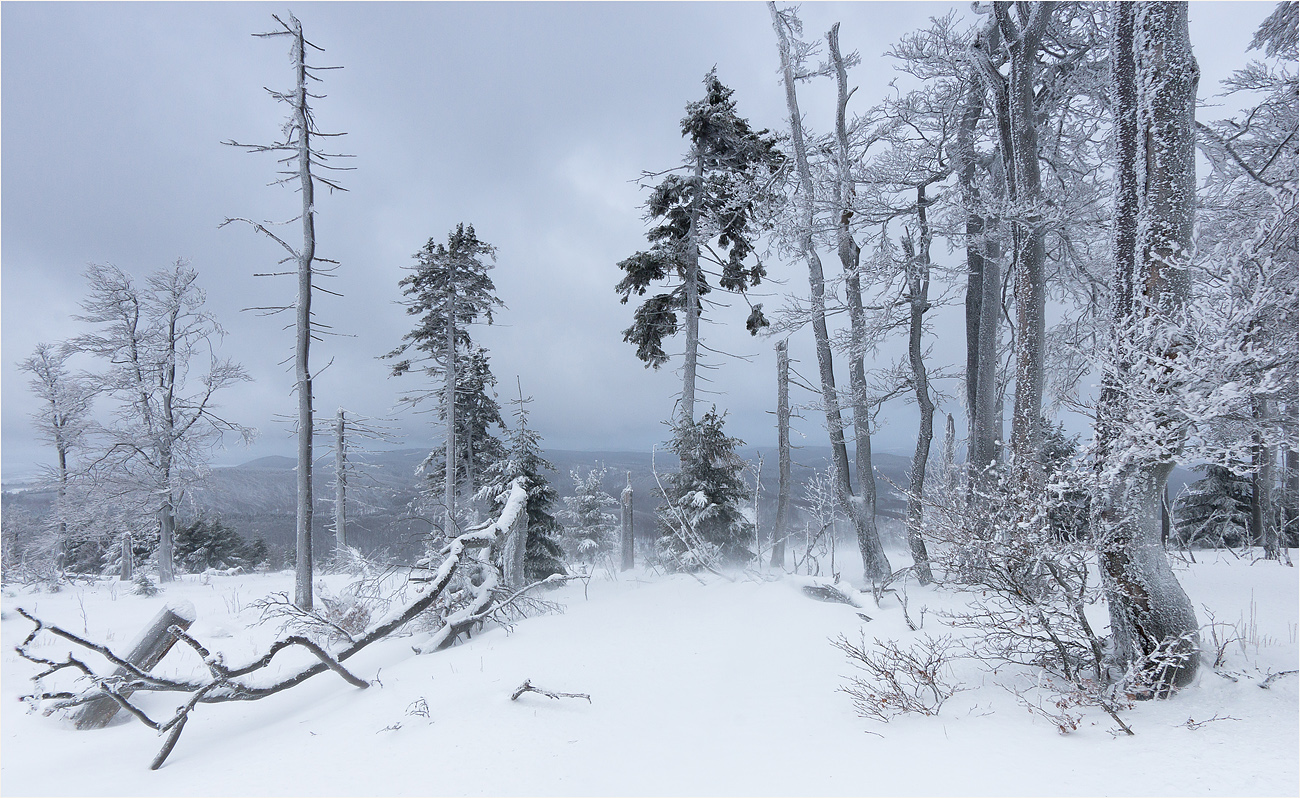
column 724, row 688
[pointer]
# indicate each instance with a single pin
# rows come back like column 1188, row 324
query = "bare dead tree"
column 300, row 157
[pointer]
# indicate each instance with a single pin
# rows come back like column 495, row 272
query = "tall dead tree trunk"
column 300, row 157
column 1155, row 75
column 874, row 562
column 340, row 483
column 302, row 328
column 782, row 453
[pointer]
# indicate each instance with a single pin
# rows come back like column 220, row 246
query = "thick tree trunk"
column 1150, row 613
column 1263, row 528
column 302, row 370
column 1023, row 39
column 983, row 293
column 874, row 562
column 1291, row 501
column 166, row 534
column 782, row 453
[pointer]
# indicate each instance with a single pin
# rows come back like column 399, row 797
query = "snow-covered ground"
column 724, row 688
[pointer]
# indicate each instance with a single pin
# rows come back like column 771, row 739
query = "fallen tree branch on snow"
column 527, row 687
column 223, row 685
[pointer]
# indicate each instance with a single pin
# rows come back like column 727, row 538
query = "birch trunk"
column 874, row 562
column 302, row 347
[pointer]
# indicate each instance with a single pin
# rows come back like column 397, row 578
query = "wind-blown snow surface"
column 725, row 688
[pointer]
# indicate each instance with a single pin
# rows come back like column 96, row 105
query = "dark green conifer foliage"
column 728, row 171
column 1215, row 510
column 477, row 416
column 448, row 290
column 543, row 554
column 207, row 544
column 705, row 497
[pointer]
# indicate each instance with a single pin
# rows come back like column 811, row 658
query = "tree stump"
column 150, row 647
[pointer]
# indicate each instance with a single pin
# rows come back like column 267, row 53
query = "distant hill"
column 258, row 498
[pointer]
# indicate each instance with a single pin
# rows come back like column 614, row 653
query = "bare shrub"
column 898, row 680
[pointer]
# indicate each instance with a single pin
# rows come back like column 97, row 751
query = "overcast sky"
column 532, row 121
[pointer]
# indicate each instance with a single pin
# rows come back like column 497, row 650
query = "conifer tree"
column 591, row 530
column 702, row 522
column 717, row 199
column 543, row 555
column 449, row 289
column 1215, row 511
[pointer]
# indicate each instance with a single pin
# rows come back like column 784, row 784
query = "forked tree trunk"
column 983, row 292
column 874, row 562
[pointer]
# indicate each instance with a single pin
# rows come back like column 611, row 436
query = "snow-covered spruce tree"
column 590, row 531
column 701, row 521
column 448, row 290
column 302, row 160
column 61, row 418
column 543, row 553
column 157, row 344
column 1140, row 429
column 727, row 170
column 1215, row 510
column 478, row 424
